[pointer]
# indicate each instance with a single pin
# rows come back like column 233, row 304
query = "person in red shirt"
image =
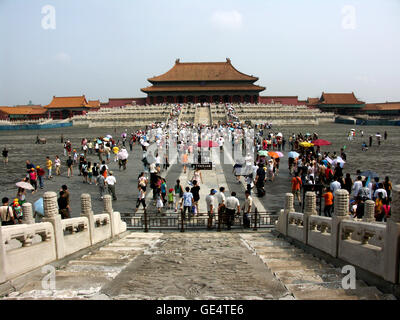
column 33, row 179
column 40, row 174
column 296, row 186
column 328, row 197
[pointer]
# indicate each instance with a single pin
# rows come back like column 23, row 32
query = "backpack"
column 17, row 210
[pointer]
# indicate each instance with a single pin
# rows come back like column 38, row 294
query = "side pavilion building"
column 202, row 82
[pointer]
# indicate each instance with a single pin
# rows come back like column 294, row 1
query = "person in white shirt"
column 380, row 190
column 231, row 204
column 210, row 201
column 335, row 185
column 110, row 183
column 357, row 186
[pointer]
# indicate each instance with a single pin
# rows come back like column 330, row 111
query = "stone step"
column 362, row 293
column 299, row 264
column 309, row 276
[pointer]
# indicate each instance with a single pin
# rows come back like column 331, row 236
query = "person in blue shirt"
column 187, row 201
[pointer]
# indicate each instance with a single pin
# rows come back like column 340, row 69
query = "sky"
column 108, row 49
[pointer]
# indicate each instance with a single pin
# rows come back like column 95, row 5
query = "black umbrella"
column 369, row 174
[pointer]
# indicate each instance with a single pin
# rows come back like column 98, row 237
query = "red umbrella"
column 321, row 142
column 207, row 144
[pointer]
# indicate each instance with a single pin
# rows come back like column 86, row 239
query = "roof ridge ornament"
column 177, row 61
column 228, row 60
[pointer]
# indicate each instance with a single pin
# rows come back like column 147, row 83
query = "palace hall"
column 203, row 82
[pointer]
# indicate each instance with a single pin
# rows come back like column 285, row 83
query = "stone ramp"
column 306, row 277
column 84, row 277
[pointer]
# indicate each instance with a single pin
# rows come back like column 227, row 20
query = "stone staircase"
column 203, row 116
column 82, row 278
column 305, row 276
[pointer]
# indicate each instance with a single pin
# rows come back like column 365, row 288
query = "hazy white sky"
column 109, row 48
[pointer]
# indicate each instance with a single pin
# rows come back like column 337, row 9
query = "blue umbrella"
column 293, row 154
column 38, row 205
column 369, row 174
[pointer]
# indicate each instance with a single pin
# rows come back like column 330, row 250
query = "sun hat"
column 38, row 167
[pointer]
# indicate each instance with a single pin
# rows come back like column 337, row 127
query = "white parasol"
column 24, row 185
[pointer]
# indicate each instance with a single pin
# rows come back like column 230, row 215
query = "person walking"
column 33, row 179
column 187, row 202
column 248, row 203
column 210, row 201
column 296, row 187
column 328, row 197
column 232, row 204
column 57, row 164
column 40, row 173
column 70, row 163
column 141, row 198
column 195, row 190
column 110, row 182
column 100, row 181
column 49, row 166
column 178, row 192
column 63, row 205
column 5, row 156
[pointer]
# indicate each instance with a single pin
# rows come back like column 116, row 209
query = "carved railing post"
column 107, row 202
column 283, row 215
column 3, row 262
column 310, row 209
column 51, row 215
column 86, row 211
column 27, row 211
column 369, row 211
column 392, row 239
column 341, row 210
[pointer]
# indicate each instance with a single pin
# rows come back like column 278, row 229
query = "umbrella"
column 293, row 154
column 24, row 185
column 273, row 154
column 123, row 154
column 329, row 160
column 280, row 154
column 321, row 142
column 38, row 205
column 338, row 160
column 109, row 136
column 370, row 174
column 145, row 144
column 279, row 134
column 207, row 144
column 305, row 144
column 263, row 153
column 99, row 141
column 106, row 139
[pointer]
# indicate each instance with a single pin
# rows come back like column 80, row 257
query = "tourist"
column 103, row 169
column 5, row 156
column 63, row 205
column 259, row 181
column 232, row 204
column 248, row 203
column 81, row 161
column 210, row 202
column 386, row 209
column 90, row 171
column 159, row 201
column 335, row 185
column 270, row 170
column 171, row 199
column 21, row 195
column 381, row 190
column 195, row 190
column 84, row 171
column 57, row 163
column 370, row 140
column 29, row 165
column 33, row 179
column 357, row 186
column 70, row 163
column 40, row 173
column 387, row 184
column 178, row 193
column 385, row 135
column 185, row 161
column 348, row 183
column 6, row 213
column 141, row 198
column 364, row 192
column 110, row 182
column 187, row 202
column 100, row 181
column 197, row 176
column 164, row 191
column 237, row 170
column 328, row 197
column 379, row 214
column 296, row 186
column 96, row 172
column 360, row 207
